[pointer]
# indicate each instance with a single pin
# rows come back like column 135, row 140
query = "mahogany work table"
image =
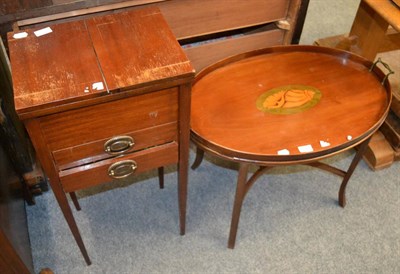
column 284, row 106
column 102, row 99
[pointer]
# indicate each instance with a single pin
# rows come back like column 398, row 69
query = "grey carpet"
column 290, row 223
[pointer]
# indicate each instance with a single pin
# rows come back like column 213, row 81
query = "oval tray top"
column 290, row 103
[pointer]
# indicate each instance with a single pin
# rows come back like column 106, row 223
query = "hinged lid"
column 75, row 61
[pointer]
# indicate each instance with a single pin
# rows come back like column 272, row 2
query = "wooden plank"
column 149, row 35
column 77, row 9
column 387, row 10
column 192, row 18
column 34, row 4
column 65, row 65
column 390, row 42
column 291, row 18
column 377, row 21
column 300, row 22
column 369, row 26
column 396, row 102
column 391, row 130
column 379, row 154
column 9, row 6
column 397, row 155
column 207, row 54
column 13, row 6
column 195, row 18
column 60, row 2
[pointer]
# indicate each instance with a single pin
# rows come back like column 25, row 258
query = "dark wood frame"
column 140, row 94
column 266, row 162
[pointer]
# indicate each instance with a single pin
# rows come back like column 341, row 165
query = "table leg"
column 199, row 158
column 183, row 164
column 353, row 165
column 69, row 217
column 75, row 200
column 39, row 143
column 239, row 197
column 161, row 177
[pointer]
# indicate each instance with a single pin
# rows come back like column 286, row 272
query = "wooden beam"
column 85, row 11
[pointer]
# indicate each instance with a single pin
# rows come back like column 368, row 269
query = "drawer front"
column 96, row 151
column 204, row 55
column 106, row 171
column 99, row 122
column 193, row 18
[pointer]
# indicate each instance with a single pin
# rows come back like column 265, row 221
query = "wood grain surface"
column 225, row 117
column 118, row 51
column 192, row 18
column 388, row 10
column 83, row 84
column 54, row 67
column 88, row 124
column 142, row 58
column 209, row 53
column 97, row 173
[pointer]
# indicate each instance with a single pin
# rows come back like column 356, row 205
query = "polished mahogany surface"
column 102, row 99
column 141, row 62
column 54, row 67
column 225, row 118
column 79, row 60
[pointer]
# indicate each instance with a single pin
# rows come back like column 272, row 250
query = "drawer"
column 209, row 53
column 98, row 173
column 83, row 126
column 96, row 151
column 191, row 18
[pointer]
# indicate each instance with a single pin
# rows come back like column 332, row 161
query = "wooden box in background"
column 375, row 33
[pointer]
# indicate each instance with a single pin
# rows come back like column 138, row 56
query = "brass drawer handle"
column 119, row 145
column 122, row 169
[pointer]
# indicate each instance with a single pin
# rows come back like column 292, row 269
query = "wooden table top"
column 226, row 117
column 136, row 47
column 79, row 60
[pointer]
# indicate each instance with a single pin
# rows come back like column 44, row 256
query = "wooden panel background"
column 13, row 10
column 14, row 6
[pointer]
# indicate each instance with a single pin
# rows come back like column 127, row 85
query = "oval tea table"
column 287, row 105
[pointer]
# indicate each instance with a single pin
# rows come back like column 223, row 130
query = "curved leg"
column 239, row 196
column 199, row 158
column 75, row 200
column 161, row 177
column 353, row 165
column 260, row 171
column 328, row 168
